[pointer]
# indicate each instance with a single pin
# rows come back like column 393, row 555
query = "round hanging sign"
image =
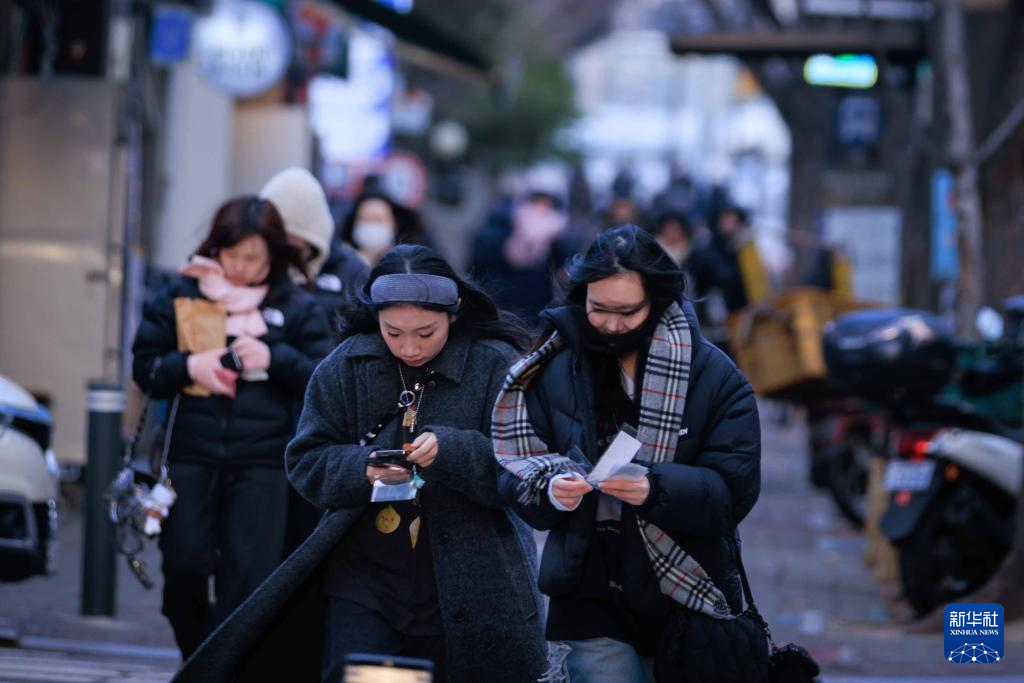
column 242, row 47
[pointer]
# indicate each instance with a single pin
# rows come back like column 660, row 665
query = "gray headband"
column 414, row 288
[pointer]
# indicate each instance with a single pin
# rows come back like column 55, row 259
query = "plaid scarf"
column 666, row 377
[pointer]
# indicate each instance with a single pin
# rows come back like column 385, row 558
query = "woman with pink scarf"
column 236, row 340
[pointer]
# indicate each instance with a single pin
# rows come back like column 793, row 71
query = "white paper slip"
column 620, row 452
column 386, row 493
column 630, row 470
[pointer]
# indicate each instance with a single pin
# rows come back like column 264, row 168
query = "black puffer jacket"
column 342, row 273
column 717, row 265
column 255, row 427
column 699, row 499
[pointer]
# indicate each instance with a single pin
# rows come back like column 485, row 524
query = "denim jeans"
column 605, row 660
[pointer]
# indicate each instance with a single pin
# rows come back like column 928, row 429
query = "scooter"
column 954, row 473
column 953, row 493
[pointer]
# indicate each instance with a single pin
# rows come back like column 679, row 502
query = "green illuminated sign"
column 841, row 71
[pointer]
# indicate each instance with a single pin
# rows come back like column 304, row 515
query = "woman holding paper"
column 238, row 341
column 626, row 355
column 417, row 556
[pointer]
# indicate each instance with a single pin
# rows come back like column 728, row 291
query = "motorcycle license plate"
column 909, row 476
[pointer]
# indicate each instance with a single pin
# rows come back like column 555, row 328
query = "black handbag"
column 695, row 648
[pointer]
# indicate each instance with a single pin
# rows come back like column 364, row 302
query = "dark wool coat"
column 699, row 499
column 484, row 557
column 255, row 426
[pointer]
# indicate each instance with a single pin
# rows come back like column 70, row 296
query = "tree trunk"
column 971, row 294
column 808, row 113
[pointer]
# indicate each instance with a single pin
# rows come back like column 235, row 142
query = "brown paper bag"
column 201, row 326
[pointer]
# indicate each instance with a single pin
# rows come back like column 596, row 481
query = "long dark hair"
column 408, row 226
column 248, row 216
column 626, row 247
column 478, row 314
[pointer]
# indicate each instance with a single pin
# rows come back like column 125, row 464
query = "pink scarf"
column 241, row 303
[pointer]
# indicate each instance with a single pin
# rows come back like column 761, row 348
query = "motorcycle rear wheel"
column 957, row 545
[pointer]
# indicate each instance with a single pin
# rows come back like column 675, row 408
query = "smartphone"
column 360, row 668
column 390, row 458
column 231, row 361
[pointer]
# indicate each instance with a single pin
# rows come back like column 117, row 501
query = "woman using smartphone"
column 417, row 555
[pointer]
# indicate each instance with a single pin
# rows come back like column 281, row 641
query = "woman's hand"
column 387, row 475
column 254, row 354
column 205, row 369
column 632, row 491
column 569, row 490
column 425, row 451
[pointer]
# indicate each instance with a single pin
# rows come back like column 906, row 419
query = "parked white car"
column 29, row 486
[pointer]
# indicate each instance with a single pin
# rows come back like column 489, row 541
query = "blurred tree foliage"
column 516, row 121
column 517, row 124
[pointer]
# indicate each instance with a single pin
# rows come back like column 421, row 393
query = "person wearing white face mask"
column 377, row 223
column 374, row 236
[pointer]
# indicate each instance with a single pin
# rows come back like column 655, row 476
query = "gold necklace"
column 388, row 520
column 409, row 400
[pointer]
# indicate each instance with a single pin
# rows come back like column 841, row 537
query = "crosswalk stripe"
column 57, row 660
column 26, row 666
column 18, row 676
column 59, row 667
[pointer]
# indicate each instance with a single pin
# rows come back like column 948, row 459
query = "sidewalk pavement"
column 50, row 606
column 810, row 582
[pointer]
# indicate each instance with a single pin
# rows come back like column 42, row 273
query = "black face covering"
column 618, row 344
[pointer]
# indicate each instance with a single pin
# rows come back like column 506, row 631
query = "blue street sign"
column 169, row 34
column 945, row 253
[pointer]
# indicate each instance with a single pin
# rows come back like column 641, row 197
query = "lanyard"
column 388, row 417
